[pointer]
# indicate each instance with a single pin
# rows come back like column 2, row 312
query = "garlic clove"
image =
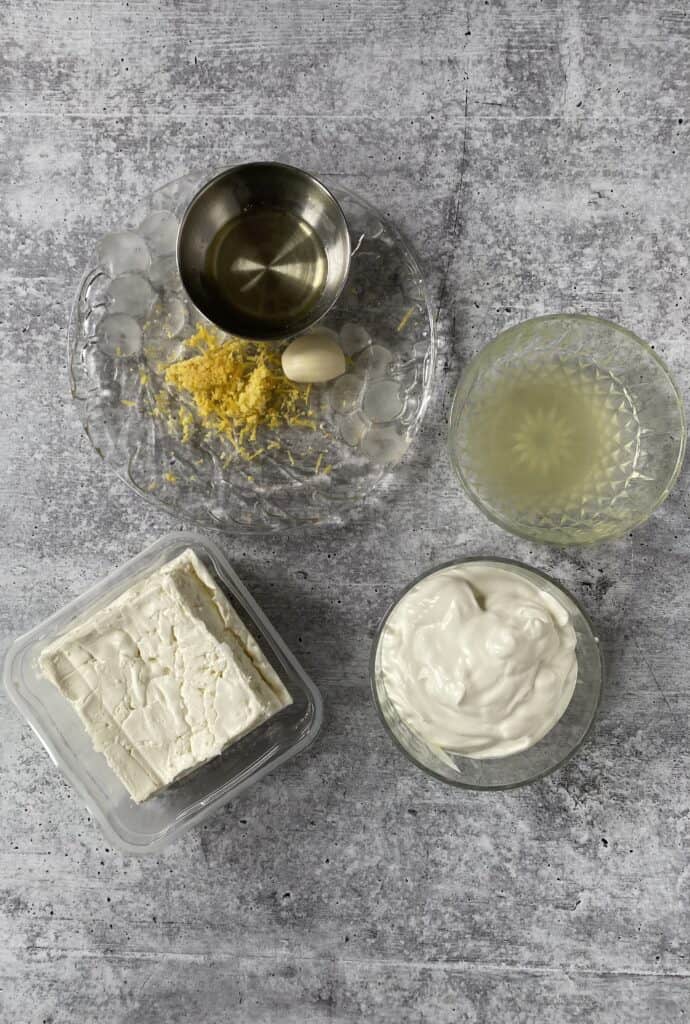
column 314, row 358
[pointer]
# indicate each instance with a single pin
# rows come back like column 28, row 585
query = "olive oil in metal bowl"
column 263, row 250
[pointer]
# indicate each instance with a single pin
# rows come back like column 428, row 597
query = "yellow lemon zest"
column 236, row 387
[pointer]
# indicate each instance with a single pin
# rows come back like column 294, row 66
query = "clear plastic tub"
column 149, row 826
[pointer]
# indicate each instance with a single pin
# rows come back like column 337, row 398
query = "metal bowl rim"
column 275, row 335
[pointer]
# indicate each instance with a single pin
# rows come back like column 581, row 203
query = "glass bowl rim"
column 503, row 562
column 535, row 535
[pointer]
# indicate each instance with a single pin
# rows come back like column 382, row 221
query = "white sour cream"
column 478, row 660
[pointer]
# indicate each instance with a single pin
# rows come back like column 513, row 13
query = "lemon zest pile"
column 237, row 388
column 403, row 323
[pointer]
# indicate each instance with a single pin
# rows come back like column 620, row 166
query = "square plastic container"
column 153, row 824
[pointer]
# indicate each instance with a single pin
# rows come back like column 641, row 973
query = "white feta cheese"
column 164, row 677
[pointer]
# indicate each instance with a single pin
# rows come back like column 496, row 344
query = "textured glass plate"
column 149, row 826
column 131, row 314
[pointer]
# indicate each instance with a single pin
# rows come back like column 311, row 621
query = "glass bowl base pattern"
column 132, row 318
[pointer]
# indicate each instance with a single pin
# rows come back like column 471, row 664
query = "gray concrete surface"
column 537, row 155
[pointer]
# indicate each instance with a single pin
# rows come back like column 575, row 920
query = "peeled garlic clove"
column 314, row 358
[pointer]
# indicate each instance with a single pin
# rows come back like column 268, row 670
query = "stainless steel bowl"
column 263, row 250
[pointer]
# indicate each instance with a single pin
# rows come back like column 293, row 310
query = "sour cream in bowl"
column 486, row 673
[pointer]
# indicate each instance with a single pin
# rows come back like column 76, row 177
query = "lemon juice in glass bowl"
column 567, row 429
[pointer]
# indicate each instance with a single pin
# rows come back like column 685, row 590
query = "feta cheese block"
column 164, row 677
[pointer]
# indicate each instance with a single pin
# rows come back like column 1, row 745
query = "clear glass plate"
column 131, row 314
column 149, row 826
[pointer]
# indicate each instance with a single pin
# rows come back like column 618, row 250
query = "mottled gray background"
column 536, row 153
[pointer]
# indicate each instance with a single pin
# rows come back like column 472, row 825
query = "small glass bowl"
column 549, row 753
column 629, row 391
column 158, row 821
